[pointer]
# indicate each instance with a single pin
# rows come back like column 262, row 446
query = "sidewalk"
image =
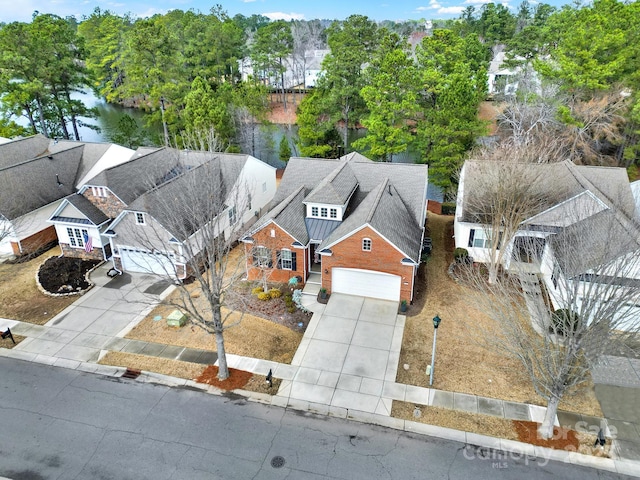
column 76, row 339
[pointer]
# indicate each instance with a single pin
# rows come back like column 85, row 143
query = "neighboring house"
column 36, row 173
column 595, row 203
column 113, row 210
column 359, row 224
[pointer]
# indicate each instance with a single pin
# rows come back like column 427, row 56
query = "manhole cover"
column 277, row 462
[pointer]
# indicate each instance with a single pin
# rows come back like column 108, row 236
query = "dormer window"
column 323, row 212
column 140, row 218
column 314, row 211
column 333, row 213
column 366, row 244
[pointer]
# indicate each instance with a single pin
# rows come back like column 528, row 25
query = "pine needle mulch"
column 462, row 363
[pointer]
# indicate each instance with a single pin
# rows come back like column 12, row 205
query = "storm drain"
column 277, row 461
column 131, row 373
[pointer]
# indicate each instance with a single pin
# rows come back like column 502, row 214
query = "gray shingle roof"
column 37, row 182
column 91, row 153
column 88, row 209
column 397, row 215
column 131, row 179
column 287, row 216
column 335, row 188
column 385, row 211
column 208, row 175
column 22, row 149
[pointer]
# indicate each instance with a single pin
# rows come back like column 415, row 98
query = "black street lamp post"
column 436, row 323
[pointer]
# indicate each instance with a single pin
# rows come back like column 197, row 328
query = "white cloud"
column 284, row 16
column 451, row 10
column 433, row 5
column 477, row 2
column 248, row 1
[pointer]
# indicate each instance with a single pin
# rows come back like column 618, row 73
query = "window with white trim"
column 314, row 211
column 262, row 257
column 366, row 244
column 478, row 239
column 286, row 260
column 76, row 236
column 333, row 213
column 140, row 218
column 233, row 218
column 323, row 212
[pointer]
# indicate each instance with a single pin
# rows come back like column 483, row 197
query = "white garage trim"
column 142, row 261
column 366, row 283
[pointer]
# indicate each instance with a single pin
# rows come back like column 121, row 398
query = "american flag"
column 88, row 245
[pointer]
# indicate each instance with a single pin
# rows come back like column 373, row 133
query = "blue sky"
column 21, row 10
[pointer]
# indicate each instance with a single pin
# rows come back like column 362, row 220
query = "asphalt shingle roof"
column 37, row 182
column 388, row 196
column 22, row 149
column 335, row 188
column 88, row 209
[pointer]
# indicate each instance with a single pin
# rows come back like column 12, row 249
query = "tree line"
column 413, row 85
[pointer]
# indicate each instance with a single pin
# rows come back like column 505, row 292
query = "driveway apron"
column 112, row 307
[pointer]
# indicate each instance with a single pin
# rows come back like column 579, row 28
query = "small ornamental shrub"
column 257, row 290
column 448, row 208
column 275, row 293
column 264, row 296
column 460, row 255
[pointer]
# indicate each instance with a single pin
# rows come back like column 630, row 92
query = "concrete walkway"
column 345, row 366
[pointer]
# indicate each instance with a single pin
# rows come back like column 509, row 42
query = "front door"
column 315, row 259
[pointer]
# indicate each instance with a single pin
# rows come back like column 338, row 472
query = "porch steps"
column 312, row 287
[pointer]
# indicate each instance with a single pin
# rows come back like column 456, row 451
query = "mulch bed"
column 563, row 438
column 237, row 378
column 274, row 310
column 64, row 274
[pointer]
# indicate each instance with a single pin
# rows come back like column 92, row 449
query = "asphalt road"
column 63, row 424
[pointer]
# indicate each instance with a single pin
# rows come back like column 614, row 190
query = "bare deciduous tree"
column 560, row 320
column 500, row 192
column 194, row 220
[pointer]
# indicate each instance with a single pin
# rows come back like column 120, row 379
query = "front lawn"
column 21, row 300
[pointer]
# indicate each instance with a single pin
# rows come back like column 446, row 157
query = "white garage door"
column 145, row 262
column 365, row 283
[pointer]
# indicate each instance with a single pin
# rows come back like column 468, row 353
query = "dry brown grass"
column 174, row 368
column 8, row 344
column 468, row 422
column 21, row 300
column 462, row 363
column 252, row 336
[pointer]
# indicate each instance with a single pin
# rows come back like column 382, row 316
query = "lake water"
column 267, row 138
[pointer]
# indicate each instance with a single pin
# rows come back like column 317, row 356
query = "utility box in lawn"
column 176, row 319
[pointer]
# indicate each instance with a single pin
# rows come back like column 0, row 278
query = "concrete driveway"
column 349, row 353
column 96, row 320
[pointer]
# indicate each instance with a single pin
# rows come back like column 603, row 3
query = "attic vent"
column 50, row 157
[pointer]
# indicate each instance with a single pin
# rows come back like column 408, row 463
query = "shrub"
column 564, row 322
column 264, row 296
column 461, row 255
column 275, row 293
column 448, row 208
column 257, row 290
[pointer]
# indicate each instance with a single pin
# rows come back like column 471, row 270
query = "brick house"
column 356, row 224
column 36, row 173
column 118, row 211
